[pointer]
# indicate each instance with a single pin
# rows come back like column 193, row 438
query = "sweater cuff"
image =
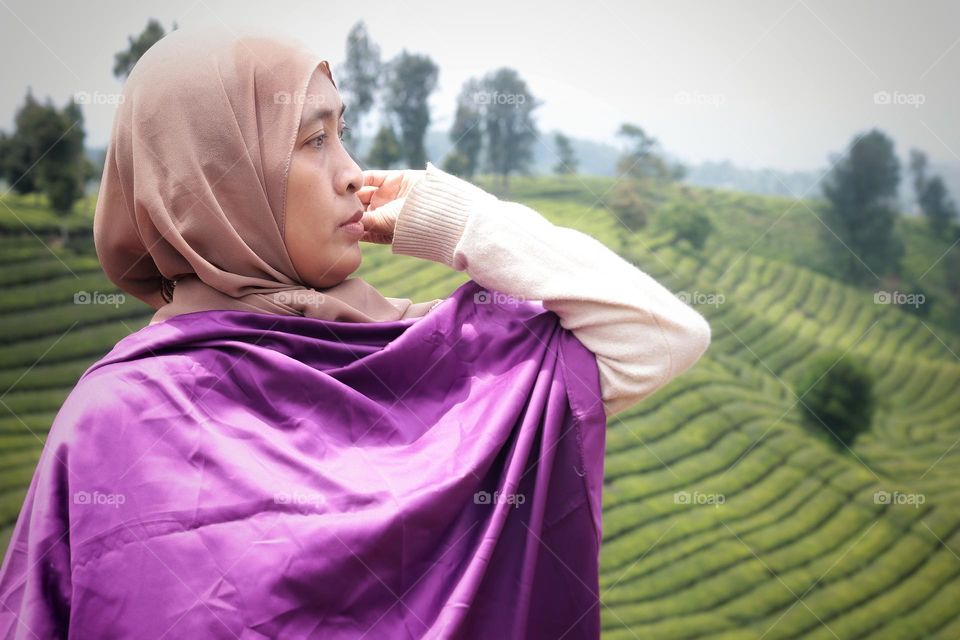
column 434, row 215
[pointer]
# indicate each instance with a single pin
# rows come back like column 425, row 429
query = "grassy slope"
column 799, row 548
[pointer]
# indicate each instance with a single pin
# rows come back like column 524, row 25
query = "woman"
column 283, row 451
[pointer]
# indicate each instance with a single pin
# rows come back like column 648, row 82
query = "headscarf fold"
column 190, row 215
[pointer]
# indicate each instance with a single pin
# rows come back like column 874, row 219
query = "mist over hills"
column 600, row 159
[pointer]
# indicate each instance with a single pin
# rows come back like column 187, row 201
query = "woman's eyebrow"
column 323, row 114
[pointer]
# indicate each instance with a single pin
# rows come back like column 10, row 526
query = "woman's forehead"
column 322, row 100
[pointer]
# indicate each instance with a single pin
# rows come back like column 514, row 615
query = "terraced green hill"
column 725, row 516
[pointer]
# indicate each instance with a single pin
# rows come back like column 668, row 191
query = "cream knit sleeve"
column 642, row 335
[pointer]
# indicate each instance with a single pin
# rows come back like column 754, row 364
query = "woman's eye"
column 323, row 137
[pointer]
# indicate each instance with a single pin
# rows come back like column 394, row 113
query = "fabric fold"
column 237, row 474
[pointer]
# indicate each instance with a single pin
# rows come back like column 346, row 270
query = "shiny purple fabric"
column 227, row 474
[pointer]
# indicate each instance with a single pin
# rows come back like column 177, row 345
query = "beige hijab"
column 190, row 215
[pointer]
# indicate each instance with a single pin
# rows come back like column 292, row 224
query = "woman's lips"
column 353, row 228
column 356, row 217
column 354, row 225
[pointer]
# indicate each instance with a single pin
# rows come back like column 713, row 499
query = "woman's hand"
column 382, row 195
column 379, row 223
column 382, row 186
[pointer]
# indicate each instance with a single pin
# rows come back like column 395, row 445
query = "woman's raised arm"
column 642, row 335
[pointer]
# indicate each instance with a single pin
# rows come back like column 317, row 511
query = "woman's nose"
column 351, row 175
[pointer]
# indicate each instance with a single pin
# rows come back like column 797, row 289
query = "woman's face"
column 322, row 192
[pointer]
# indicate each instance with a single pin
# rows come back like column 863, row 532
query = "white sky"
column 779, row 84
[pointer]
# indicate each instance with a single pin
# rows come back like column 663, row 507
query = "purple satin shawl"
column 227, row 474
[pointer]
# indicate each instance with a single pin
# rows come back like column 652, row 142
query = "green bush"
column 685, row 221
column 837, row 395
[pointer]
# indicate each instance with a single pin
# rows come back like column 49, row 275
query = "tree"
column 359, row 77
column 936, row 205
column 124, row 61
column 34, row 131
column 685, row 221
column 837, row 395
column 4, row 154
column 567, row 159
column 411, row 78
column 643, row 158
column 507, row 107
column 860, row 213
column 932, row 197
column 642, row 166
column 466, row 133
column 65, row 169
column 45, row 153
column 385, row 150
column 918, row 168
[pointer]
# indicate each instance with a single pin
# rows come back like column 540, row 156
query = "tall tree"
column 566, row 158
column 359, row 77
column 642, row 167
column 509, row 124
column 65, row 169
column 411, row 78
column 45, row 153
column 932, row 198
column 466, row 133
column 32, row 128
column 643, row 158
column 937, row 206
column 918, row 169
column 860, row 214
column 124, row 61
column 4, row 154
column 385, row 150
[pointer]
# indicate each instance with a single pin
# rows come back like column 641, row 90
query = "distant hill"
column 600, row 159
column 725, row 175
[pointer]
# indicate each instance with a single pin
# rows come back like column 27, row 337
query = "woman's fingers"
column 375, row 177
column 383, row 184
column 379, row 223
column 366, row 194
column 383, row 187
column 377, row 227
column 366, row 191
column 376, row 238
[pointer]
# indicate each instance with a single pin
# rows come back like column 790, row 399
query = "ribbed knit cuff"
column 434, row 215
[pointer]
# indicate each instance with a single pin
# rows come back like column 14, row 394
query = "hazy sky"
column 766, row 83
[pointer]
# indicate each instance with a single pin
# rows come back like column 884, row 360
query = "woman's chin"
column 344, row 268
